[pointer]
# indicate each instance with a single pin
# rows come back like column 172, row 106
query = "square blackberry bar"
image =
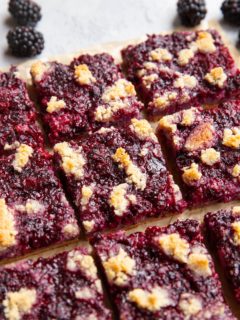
column 223, row 230
column 83, row 95
column 164, row 273
column 205, row 144
column 173, row 71
column 118, row 176
column 65, row 286
column 34, row 212
column 17, row 113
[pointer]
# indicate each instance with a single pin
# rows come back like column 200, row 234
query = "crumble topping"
column 185, row 81
column 135, row 175
column 87, row 192
column 190, row 304
column 113, row 96
column 118, row 199
column 143, row 129
column 118, row 268
column 191, row 174
column 210, row 156
column 84, row 293
column 18, row 303
column 149, row 79
column 154, row 300
column 71, row 229
column 72, row 160
column 236, row 171
column 105, row 130
column 167, row 123
column 165, row 99
column 236, row 210
column 174, row 246
column 77, row 260
column 7, row 227
column 160, row 54
column 216, row 77
column 12, row 146
column 231, row 137
column 199, row 263
column 31, row 207
column 55, row 105
column 83, row 75
column 22, row 156
column 38, row 69
column 204, row 42
column 184, row 56
column 200, row 136
column 88, row 225
column 188, row 117
column 236, row 229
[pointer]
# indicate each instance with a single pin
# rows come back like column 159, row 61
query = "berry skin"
column 25, row 42
column 25, row 12
column 191, row 12
column 231, row 11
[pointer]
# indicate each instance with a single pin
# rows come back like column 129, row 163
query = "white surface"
column 69, row 25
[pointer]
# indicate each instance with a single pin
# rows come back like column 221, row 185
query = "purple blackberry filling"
column 205, row 144
column 34, row 212
column 65, row 286
column 164, row 273
column 223, row 230
column 118, row 176
column 83, row 96
column 176, row 70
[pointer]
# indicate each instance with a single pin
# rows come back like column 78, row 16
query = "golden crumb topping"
column 88, row 225
column 184, row 56
column 200, row 136
column 188, row 117
column 83, row 75
column 7, row 226
column 143, row 129
column 199, row 263
column 163, row 101
column 231, row 138
column 85, row 293
column 204, row 42
column 18, row 303
column 135, row 175
column 160, row 54
column 210, row 156
column 152, row 300
column 174, row 246
column 190, row 304
column 185, row 81
column 149, row 79
column 191, row 174
column 216, row 77
column 236, row 230
column 76, row 260
column 71, row 229
column 167, row 123
column 38, row 69
column 55, row 105
column 31, row 206
column 236, row 171
column 118, row 199
column 236, row 210
column 119, row 268
column 87, row 192
column 24, row 152
column 72, row 159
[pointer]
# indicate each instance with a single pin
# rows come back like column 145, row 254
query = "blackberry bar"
column 205, row 144
column 164, row 273
column 173, row 71
column 83, row 95
column 17, row 113
column 118, row 176
column 65, row 286
column 223, row 230
column 34, row 212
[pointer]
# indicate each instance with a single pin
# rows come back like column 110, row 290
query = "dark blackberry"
column 25, row 12
column 231, row 11
column 191, row 12
column 25, row 42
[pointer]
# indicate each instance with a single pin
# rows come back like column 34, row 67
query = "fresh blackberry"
column 25, row 12
column 231, row 11
column 191, row 12
column 25, row 42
